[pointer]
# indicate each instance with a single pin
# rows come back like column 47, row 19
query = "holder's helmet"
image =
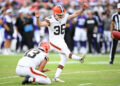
column 45, row 46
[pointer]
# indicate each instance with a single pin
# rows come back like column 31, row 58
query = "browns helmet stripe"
column 61, row 8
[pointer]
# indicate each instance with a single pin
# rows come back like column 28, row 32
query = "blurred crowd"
column 18, row 29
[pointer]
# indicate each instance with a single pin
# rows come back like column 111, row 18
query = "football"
column 116, row 34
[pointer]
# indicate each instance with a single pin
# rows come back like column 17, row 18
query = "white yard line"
column 84, row 84
column 5, row 83
column 9, row 77
column 89, row 71
column 77, row 62
column 57, row 62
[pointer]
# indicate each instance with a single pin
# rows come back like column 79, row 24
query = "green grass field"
column 95, row 71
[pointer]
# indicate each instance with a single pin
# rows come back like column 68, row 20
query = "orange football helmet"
column 58, row 12
column 45, row 46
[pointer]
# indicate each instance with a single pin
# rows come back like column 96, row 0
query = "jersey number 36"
column 59, row 29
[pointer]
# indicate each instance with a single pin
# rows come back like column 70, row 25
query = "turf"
column 95, row 71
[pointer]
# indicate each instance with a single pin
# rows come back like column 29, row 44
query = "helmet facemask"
column 59, row 16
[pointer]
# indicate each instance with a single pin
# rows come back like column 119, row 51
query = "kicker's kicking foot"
column 82, row 58
column 57, row 80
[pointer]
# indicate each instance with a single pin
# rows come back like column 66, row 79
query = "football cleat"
column 57, row 80
column 111, row 62
column 82, row 58
column 25, row 81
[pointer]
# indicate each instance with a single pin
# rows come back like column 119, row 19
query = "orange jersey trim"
column 55, row 46
column 31, row 69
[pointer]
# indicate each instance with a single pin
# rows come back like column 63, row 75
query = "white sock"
column 58, row 72
column 8, row 50
column 31, row 79
column 75, row 57
column 5, row 51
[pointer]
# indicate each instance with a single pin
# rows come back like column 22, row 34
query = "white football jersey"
column 57, row 28
column 32, row 58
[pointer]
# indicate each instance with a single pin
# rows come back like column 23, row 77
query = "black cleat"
column 111, row 63
column 25, row 81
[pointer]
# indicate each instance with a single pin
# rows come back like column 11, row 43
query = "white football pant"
column 33, row 73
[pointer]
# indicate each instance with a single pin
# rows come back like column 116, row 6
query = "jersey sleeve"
column 66, row 15
column 48, row 19
column 46, row 57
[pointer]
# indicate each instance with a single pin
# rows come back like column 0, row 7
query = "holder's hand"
column 46, row 70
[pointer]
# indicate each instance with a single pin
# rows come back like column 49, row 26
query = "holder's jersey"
column 56, row 28
column 32, row 58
